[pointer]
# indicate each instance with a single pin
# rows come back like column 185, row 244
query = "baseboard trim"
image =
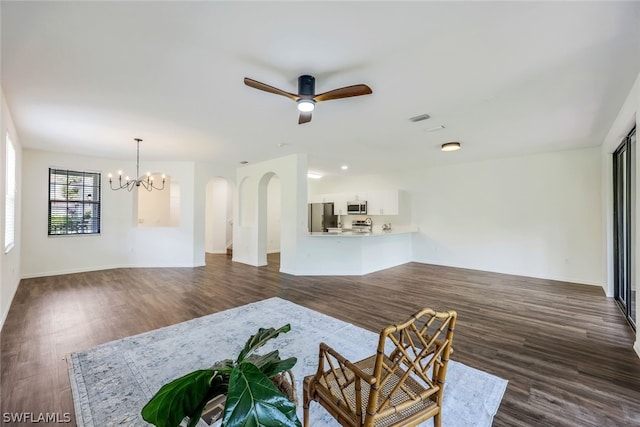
column 72, row 271
column 551, row 277
column 102, row 267
column 6, row 313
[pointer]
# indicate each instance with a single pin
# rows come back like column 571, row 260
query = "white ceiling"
column 505, row 78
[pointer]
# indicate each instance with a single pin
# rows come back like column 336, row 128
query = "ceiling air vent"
column 420, row 118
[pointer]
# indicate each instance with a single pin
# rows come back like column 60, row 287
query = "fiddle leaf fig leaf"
column 259, row 339
column 253, row 401
column 270, row 363
column 183, row 397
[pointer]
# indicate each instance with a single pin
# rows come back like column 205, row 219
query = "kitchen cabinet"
column 339, row 204
column 320, row 198
column 339, row 201
column 384, row 202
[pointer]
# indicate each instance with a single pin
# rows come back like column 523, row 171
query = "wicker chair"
column 401, row 385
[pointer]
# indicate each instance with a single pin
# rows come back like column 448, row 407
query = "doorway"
column 219, row 217
column 624, row 223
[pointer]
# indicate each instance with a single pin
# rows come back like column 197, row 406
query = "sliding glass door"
column 624, row 209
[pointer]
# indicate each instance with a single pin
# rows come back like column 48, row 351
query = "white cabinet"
column 339, row 204
column 384, row 202
column 320, row 198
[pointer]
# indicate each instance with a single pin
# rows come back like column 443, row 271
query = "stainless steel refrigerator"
column 321, row 217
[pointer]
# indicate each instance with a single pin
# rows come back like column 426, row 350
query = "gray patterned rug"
column 112, row 382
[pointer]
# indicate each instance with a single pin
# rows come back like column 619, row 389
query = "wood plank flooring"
column 565, row 348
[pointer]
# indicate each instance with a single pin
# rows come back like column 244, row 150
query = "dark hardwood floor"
column 565, row 348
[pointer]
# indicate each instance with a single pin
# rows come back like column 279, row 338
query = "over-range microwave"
column 357, row 208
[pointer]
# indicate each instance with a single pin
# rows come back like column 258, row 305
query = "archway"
column 269, row 212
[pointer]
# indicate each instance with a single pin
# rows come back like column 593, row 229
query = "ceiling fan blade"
column 344, row 92
column 265, row 87
column 305, row 117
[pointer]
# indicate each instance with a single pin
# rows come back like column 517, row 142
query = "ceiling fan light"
column 306, row 105
column 450, row 146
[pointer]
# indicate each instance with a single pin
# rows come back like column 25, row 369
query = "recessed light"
column 282, row 144
column 243, row 162
column 344, row 167
column 450, row 146
column 313, row 175
column 420, row 118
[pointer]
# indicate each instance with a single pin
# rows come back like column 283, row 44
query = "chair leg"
column 305, row 408
column 437, row 420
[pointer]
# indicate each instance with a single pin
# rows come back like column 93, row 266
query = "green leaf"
column 261, row 360
column 253, row 401
column 260, row 338
column 182, row 397
column 270, row 363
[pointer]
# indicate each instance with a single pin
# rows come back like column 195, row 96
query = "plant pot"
column 285, row 382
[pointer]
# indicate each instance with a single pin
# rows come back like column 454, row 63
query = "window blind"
column 74, row 202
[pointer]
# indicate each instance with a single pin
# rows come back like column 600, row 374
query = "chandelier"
column 145, row 181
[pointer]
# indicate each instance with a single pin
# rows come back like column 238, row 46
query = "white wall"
column 121, row 243
column 536, row 216
column 627, row 117
column 10, row 262
column 154, row 207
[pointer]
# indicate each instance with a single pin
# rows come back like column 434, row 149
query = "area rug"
column 112, row 382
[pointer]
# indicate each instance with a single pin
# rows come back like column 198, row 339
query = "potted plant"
column 251, row 396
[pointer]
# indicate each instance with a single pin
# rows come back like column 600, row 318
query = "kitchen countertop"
column 348, row 233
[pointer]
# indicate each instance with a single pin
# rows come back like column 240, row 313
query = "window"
column 624, row 223
column 74, row 202
column 10, row 196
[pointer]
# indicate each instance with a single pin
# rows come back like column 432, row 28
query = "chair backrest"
column 411, row 361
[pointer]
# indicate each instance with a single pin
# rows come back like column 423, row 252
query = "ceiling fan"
column 306, row 96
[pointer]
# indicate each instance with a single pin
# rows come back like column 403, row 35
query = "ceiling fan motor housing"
column 306, row 86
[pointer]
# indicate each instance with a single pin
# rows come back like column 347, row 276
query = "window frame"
column 80, row 214
column 10, row 191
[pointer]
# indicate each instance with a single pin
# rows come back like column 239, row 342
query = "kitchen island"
column 356, row 253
